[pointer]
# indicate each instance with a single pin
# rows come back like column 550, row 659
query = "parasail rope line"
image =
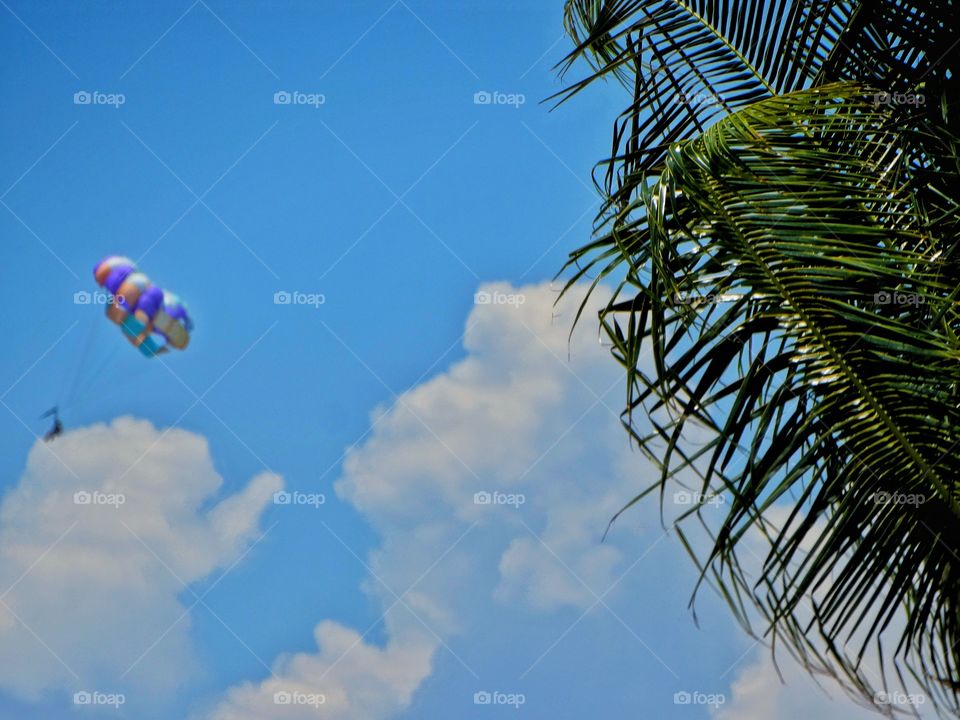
column 79, row 367
column 93, row 377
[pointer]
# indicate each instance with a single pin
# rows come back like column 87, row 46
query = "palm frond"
column 688, row 62
column 783, row 274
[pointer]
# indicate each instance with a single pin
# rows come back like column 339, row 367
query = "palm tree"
column 780, row 220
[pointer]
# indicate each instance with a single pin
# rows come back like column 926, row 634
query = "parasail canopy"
column 152, row 319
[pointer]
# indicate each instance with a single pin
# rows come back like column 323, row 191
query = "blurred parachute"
column 152, row 319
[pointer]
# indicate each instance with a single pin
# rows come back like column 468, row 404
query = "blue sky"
column 396, row 198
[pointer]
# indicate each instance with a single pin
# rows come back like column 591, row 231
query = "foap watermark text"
column 484, row 697
column 295, row 297
column 499, row 498
column 296, row 697
column 684, row 697
column 484, row 97
column 95, row 697
column 499, row 298
column 96, row 497
column 296, row 497
column 295, row 97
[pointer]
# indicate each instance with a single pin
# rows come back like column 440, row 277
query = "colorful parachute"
column 152, row 319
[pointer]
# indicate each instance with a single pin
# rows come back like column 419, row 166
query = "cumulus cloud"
column 759, row 693
column 357, row 680
column 490, row 486
column 480, row 484
column 97, row 542
column 509, row 422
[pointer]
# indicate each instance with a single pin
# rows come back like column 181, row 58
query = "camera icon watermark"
column 684, row 697
column 898, row 98
column 484, row 697
column 484, row 97
column 295, row 97
column 95, row 97
column 696, row 299
column 699, row 99
column 94, row 697
column 688, row 497
column 285, row 297
column 96, row 497
column 296, row 697
column 898, row 498
column 498, row 298
column 898, row 298
column 495, row 497
column 283, row 497
column 898, row 697
column 83, row 297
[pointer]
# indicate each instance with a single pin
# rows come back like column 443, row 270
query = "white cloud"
column 531, row 418
column 503, row 420
column 759, row 693
column 527, row 415
column 90, row 589
column 358, row 680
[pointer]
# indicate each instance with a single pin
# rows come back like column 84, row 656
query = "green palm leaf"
column 789, row 258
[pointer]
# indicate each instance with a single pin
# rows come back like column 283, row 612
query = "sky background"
column 396, row 199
